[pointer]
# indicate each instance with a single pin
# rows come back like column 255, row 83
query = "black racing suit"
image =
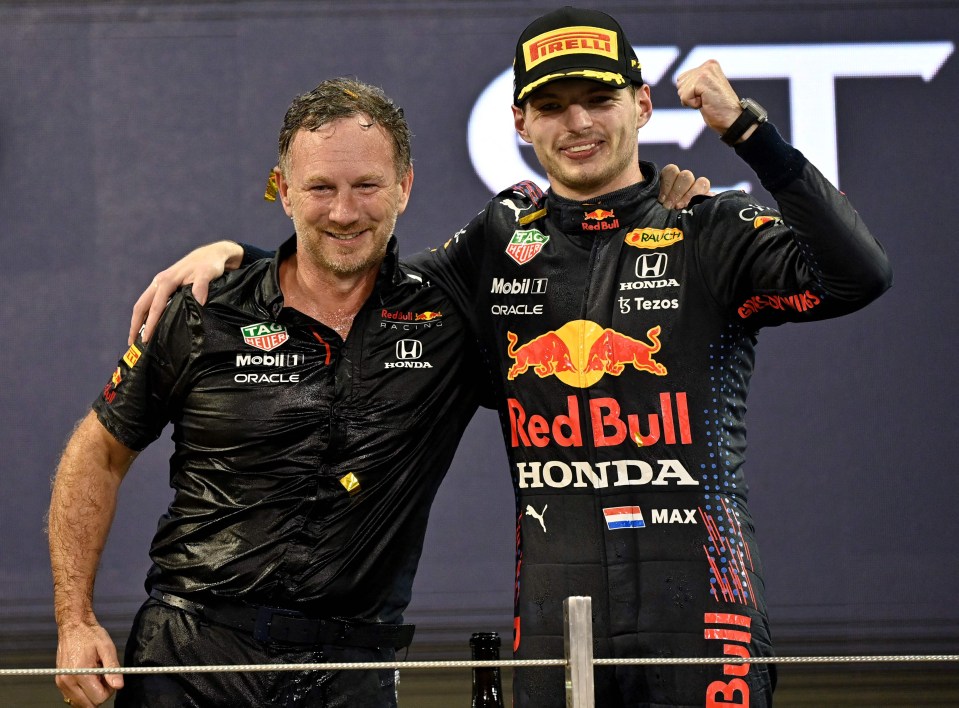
column 621, row 336
column 304, row 466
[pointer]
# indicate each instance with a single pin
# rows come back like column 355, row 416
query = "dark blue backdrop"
column 133, row 131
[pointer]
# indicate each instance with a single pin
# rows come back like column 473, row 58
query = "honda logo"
column 409, row 349
column 651, row 265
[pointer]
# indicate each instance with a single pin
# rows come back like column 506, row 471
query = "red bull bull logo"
column 598, row 215
column 607, row 220
column 548, row 354
column 581, row 352
column 612, row 352
column 428, row 316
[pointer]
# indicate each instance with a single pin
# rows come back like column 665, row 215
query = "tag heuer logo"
column 526, row 245
column 265, row 335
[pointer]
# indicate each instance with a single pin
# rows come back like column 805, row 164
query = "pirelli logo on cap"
column 570, row 40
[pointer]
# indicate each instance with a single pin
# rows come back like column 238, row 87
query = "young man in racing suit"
column 620, row 337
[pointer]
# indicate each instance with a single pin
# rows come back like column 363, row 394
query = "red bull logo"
column 733, row 631
column 601, row 423
column 602, row 217
column 581, row 352
column 548, row 354
column 110, row 390
column 612, row 352
column 428, row 316
column 598, row 215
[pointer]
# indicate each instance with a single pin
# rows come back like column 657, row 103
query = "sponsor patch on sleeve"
column 132, row 356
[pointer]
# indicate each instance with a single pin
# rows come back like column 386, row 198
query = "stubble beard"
column 322, row 251
column 584, row 180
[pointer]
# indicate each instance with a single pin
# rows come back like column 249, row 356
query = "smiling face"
column 584, row 135
column 340, row 186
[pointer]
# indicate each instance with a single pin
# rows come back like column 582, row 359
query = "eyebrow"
column 320, row 178
column 598, row 88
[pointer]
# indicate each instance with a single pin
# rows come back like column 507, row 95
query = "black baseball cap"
column 571, row 43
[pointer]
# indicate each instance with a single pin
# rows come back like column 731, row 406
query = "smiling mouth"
column 581, row 151
column 345, row 237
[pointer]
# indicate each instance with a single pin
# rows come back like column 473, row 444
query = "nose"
column 578, row 118
column 343, row 209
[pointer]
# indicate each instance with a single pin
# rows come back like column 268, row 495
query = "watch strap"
column 752, row 114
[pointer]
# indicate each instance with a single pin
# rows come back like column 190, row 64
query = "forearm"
column 251, row 254
column 82, row 507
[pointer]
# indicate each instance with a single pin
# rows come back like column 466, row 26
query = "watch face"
column 750, row 105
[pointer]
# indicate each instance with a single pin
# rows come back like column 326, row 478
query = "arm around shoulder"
column 200, row 267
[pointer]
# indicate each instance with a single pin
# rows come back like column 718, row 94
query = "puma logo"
column 509, row 204
column 537, row 515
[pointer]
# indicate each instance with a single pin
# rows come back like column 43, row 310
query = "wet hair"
column 341, row 98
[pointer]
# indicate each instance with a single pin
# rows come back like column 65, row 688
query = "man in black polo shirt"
column 316, row 401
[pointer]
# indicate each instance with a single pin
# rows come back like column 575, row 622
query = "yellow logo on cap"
column 570, row 40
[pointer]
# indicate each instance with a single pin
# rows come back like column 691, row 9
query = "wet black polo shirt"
column 304, row 465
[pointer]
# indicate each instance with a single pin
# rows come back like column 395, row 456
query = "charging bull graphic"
column 547, row 354
column 613, row 351
column 581, row 352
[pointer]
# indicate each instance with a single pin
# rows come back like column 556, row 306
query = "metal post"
column 578, row 644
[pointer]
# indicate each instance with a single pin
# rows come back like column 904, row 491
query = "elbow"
column 880, row 280
column 873, row 282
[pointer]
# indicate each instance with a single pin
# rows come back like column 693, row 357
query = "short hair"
column 341, row 98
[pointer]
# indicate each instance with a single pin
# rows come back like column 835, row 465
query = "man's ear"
column 283, row 190
column 519, row 122
column 644, row 106
column 406, row 186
